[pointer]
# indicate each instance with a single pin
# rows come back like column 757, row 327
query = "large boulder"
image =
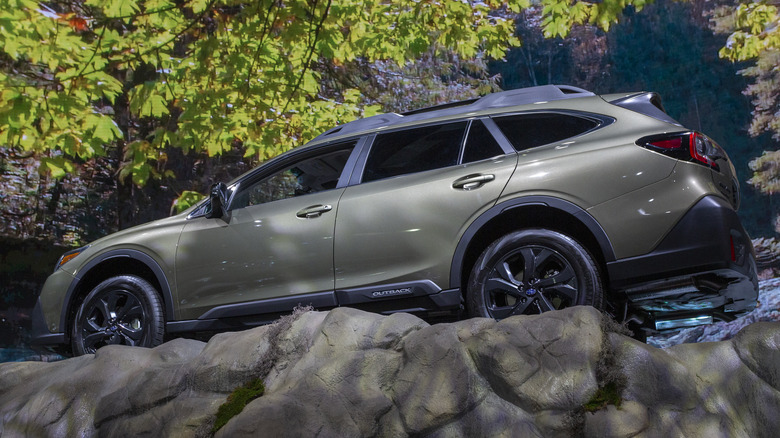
column 352, row 373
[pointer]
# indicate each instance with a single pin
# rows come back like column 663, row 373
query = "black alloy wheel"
column 533, row 271
column 124, row 310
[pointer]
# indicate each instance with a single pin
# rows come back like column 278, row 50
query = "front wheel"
column 123, row 310
column 530, row 272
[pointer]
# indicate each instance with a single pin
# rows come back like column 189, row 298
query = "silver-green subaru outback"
column 519, row 202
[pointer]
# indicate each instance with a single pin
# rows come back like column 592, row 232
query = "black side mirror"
column 218, row 198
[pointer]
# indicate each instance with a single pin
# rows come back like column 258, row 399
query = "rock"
column 627, row 421
column 75, row 397
column 352, row 373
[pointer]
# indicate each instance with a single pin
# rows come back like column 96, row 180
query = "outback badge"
column 391, row 292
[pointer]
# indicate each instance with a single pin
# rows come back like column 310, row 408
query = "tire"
column 123, row 310
column 533, row 271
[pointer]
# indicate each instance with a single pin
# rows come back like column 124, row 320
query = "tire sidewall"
column 144, row 292
column 586, row 271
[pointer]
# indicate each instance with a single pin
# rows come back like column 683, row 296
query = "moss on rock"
column 236, row 402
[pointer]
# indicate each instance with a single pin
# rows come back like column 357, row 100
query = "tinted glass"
column 309, row 175
column 414, row 150
column 530, row 130
column 480, row 144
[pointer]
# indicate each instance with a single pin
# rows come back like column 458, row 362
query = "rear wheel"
column 530, row 272
column 123, row 310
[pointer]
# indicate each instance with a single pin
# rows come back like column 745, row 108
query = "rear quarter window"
column 526, row 131
column 480, row 144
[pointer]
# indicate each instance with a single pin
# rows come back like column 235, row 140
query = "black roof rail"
column 439, row 107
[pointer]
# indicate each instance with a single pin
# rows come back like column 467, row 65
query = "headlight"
column 68, row 256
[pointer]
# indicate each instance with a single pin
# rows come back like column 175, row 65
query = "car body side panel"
column 587, row 175
column 589, row 179
column 262, row 251
column 648, row 214
column 406, row 228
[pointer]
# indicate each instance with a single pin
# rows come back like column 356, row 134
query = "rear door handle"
column 314, row 211
column 470, row 182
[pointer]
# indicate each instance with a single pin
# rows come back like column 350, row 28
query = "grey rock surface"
column 352, row 373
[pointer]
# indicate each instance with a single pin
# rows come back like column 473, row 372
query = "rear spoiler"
column 647, row 103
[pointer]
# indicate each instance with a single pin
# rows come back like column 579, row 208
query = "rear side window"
column 414, row 150
column 525, row 131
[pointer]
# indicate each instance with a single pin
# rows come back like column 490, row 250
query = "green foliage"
column 236, row 402
column 609, row 375
column 57, row 166
column 207, row 75
column 559, row 17
column 754, row 35
column 187, row 199
column 753, row 28
column 79, row 78
column 767, row 172
column 608, row 394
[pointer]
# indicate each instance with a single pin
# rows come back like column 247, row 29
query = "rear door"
column 419, row 190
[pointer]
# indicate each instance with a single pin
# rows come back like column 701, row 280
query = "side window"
column 480, row 144
column 414, row 150
column 531, row 130
column 310, row 175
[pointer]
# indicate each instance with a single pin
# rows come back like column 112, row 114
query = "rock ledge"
column 352, row 373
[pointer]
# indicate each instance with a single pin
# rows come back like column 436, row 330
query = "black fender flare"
column 535, row 200
column 147, row 260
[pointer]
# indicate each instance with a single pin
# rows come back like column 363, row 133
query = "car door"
column 274, row 246
column 419, row 190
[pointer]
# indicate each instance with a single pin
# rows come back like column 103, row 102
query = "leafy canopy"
column 210, row 75
column 754, row 35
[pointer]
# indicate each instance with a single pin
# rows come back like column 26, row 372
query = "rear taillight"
column 687, row 146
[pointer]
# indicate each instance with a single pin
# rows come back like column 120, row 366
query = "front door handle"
column 314, row 211
column 470, row 182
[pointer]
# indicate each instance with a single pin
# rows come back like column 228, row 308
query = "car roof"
column 521, row 96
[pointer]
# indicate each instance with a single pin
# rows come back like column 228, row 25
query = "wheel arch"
column 110, row 264
column 530, row 212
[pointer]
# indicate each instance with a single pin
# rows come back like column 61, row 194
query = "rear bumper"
column 707, row 261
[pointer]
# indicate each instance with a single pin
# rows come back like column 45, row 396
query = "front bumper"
column 48, row 315
column 706, row 262
column 40, row 334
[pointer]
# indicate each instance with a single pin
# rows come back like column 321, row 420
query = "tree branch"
column 310, row 54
